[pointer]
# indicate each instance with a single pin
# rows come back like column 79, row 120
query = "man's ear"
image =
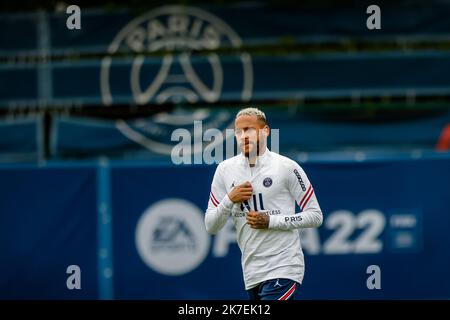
column 266, row 130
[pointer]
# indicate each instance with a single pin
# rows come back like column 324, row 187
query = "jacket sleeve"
column 303, row 193
column 219, row 204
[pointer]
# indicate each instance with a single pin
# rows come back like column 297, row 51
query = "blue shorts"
column 275, row 289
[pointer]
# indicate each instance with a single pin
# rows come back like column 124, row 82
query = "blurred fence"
column 144, row 57
column 136, row 231
column 227, row 78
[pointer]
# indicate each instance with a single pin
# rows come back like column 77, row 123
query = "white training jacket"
column 278, row 182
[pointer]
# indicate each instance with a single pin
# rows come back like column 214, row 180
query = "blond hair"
column 252, row 112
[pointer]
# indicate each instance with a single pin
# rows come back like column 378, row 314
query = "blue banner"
column 392, row 215
column 48, row 223
column 141, row 235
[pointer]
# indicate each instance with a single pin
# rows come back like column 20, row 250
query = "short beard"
column 252, row 153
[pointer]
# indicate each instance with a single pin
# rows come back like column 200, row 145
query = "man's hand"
column 241, row 192
column 258, row 220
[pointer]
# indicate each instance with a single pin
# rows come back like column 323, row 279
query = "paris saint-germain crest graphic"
column 150, row 61
column 267, row 182
column 175, row 75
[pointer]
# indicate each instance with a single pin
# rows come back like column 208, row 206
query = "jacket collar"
column 260, row 160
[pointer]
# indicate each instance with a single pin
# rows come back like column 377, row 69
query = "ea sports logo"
column 171, row 237
column 176, row 77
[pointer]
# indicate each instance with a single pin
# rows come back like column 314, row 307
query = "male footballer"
column 258, row 190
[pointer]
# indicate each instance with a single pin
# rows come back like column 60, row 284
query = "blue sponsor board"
column 391, row 216
column 48, row 223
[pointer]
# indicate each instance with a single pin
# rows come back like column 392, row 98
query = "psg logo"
column 177, row 75
column 267, row 182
